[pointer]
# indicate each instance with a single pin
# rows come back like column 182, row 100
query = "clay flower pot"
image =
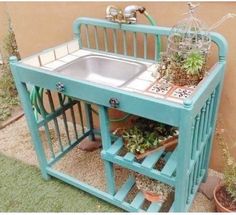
column 152, row 197
column 219, row 206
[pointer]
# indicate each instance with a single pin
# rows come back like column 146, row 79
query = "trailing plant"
column 194, row 62
column 153, row 186
column 146, row 134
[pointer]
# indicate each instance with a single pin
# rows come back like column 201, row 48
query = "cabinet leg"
column 106, row 143
column 110, row 179
column 183, row 160
column 32, row 124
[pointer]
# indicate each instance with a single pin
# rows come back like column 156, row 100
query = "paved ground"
column 15, row 142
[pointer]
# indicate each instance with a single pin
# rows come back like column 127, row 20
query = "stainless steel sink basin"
column 103, row 70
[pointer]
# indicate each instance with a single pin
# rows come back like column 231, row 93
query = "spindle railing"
column 92, row 37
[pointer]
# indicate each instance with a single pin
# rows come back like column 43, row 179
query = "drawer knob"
column 114, row 102
column 60, row 87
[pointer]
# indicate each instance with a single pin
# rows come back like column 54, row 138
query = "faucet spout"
column 127, row 16
column 132, row 9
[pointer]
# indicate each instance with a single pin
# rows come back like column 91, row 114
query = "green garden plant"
column 193, row 64
column 146, row 134
column 8, row 92
column 225, row 193
column 229, row 172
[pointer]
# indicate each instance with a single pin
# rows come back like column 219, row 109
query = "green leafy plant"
column 229, row 171
column 146, row 134
column 193, row 63
column 8, row 92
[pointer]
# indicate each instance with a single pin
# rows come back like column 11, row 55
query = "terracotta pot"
column 152, row 197
column 219, row 206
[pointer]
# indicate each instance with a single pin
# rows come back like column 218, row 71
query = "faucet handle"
column 112, row 12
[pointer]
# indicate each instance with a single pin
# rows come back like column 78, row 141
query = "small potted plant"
column 225, row 192
column 153, row 190
column 147, row 136
column 183, row 69
column 185, row 60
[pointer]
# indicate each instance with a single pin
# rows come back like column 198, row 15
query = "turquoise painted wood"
column 185, row 167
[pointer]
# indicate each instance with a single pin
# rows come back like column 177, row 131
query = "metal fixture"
column 128, row 15
column 114, row 102
column 60, row 87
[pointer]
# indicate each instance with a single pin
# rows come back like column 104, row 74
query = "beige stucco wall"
column 42, row 25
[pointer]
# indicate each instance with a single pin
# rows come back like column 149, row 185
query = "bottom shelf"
column 119, row 199
column 137, row 203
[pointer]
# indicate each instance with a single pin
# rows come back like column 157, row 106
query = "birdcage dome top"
column 189, row 34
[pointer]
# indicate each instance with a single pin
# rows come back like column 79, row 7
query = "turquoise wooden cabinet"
column 186, row 167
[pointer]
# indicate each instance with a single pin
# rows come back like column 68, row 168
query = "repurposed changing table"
column 193, row 110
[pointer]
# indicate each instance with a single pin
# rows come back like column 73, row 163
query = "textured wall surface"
column 42, row 25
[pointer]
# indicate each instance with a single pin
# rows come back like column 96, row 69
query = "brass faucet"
column 128, row 16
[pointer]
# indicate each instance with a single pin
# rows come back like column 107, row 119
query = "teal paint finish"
column 185, row 167
column 106, row 142
column 26, row 104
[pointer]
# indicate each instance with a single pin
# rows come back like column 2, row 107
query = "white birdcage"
column 187, row 50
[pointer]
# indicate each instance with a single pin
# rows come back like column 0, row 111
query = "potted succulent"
column 153, row 190
column 225, row 192
column 189, row 42
column 183, row 69
column 147, row 136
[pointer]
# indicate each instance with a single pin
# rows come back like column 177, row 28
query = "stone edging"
column 12, row 119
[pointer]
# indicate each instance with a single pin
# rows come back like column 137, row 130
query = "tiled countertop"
column 145, row 83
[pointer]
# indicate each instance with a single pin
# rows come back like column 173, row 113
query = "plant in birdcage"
column 193, row 63
column 184, row 62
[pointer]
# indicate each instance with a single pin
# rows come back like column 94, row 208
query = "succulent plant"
column 193, row 63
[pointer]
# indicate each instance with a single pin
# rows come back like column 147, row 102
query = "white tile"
column 181, row 93
column 47, row 68
column 127, row 89
column 153, row 67
column 147, row 76
column 159, row 88
column 73, row 46
column 68, row 58
column 32, row 61
column 55, row 64
column 61, row 51
column 154, row 95
column 81, row 53
column 139, row 84
column 47, row 56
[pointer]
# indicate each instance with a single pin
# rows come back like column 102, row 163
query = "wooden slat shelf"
column 138, row 200
column 146, row 166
